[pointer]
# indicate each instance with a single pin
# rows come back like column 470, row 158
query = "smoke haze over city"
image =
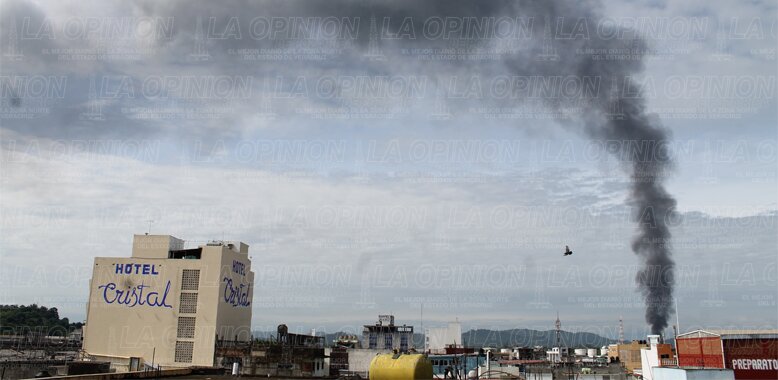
column 429, row 160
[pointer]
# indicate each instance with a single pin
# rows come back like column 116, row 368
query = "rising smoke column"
column 642, row 144
column 634, row 136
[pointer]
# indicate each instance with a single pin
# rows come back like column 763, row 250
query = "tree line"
column 24, row 319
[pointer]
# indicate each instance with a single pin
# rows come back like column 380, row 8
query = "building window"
column 188, row 303
column 186, row 327
column 403, row 342
column 372, row 341
column 388, row 341
column 184, row 352
column 190, row 279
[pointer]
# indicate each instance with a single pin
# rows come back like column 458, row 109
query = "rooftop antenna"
column 677, row 321
column 621, row 330
column 149, row 230
column 558, row 325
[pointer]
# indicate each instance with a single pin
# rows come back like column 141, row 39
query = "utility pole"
column 677, row 320
column 421, row 327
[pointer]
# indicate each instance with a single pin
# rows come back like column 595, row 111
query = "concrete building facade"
column 675, row 373
column 387, row 336
column 289, row 356
column 629, row 355
column 656, row 355
column 557, row 354
column 169, row 305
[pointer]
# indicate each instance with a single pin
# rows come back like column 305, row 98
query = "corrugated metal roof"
column 731, row 334
column 697, row 334
column 744, row 332
column 521, row 361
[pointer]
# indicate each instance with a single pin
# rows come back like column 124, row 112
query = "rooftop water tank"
column 400, row 367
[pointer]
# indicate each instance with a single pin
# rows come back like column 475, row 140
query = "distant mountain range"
column 531, row 338
column 498, row 338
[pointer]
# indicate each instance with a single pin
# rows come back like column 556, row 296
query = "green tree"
column 21, row 319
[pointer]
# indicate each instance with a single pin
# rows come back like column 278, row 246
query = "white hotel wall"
column 117, row 331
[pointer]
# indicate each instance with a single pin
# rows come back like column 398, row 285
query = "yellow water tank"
column 400, row 367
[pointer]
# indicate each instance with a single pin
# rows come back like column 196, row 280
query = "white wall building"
column 168, row 305
column 649, row 357
column 674, row 373
column 436, row 339
column 556, row 354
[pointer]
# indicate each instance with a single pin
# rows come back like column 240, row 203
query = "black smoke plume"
column 619, row 121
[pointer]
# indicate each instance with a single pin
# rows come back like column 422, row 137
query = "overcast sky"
column 388, row 158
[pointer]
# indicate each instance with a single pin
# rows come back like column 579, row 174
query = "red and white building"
column 751, row 354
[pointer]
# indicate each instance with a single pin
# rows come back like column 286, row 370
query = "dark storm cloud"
column 610, row 115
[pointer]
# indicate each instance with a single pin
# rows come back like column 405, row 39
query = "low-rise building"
column 750, row 354
column 629, row 355
column 385, row 335
column 656, row 355
column 557, row 354
column 290, row 355
column 613, row 353
column 675, row 373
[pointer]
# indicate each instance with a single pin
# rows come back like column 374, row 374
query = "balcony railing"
column 668, row 362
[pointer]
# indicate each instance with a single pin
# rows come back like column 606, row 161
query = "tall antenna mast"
column 621, row 330
column 558, row 325
column 149, row 230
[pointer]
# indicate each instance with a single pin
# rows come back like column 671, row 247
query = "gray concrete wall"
column 359, row 359
column 125, row 375
column 26, row 369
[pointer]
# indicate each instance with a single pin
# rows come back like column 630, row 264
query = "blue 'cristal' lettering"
column 134, row 295
column 236, row 295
